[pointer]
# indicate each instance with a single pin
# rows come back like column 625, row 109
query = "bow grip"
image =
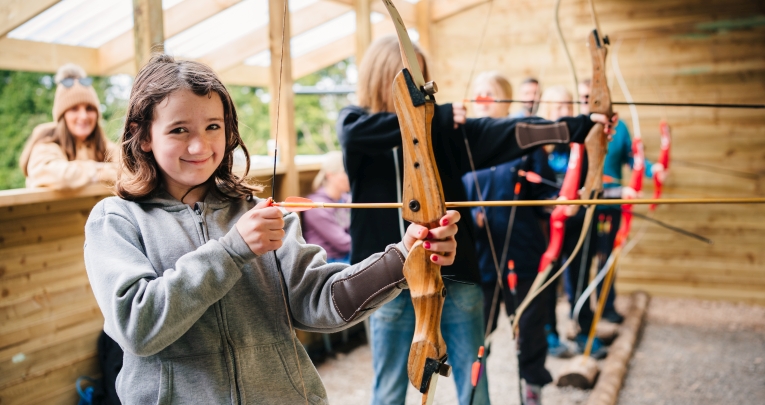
column 423, row 204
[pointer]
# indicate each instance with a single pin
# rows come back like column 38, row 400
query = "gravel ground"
column 348, row 377
column 698, row 352
column 691, row 352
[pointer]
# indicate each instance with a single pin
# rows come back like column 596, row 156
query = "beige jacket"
column 49, row 167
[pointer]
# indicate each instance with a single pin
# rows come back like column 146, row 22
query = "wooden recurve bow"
column 596, row 146
column 423, row 204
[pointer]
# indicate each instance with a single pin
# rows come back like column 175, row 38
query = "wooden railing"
column 49, row 319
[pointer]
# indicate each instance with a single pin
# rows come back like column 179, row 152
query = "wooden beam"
column 243, row 75
column 236, row 51
column 13, row 13
column 148, row 30
column 363, row 28
column 441, row 9
column 116, row 56
column 423, row 24
column 282, row 104
column 44, row 57
column 406, row 9
column 320, row 58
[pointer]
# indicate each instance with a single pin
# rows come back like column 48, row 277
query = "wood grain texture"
column 606, row 390
column 671, row 51
column 423, row 199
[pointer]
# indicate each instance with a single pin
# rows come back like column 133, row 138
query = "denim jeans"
column 346, row 259
column 392, row 329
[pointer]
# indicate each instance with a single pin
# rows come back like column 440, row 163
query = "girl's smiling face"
column 188, row 140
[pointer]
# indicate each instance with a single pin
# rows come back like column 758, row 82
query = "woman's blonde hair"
column 333, row 163
column 162, row 76
column 60, row 134
column 379, row 67
column 552, row 95
column 500, row 85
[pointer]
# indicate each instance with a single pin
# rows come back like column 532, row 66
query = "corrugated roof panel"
column 89, row 23
column 316, row 38
column 236, row 21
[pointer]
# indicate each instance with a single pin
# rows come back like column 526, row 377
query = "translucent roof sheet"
column 234, row 22
column 89, row 23
column 93, row 23
column 316, row 38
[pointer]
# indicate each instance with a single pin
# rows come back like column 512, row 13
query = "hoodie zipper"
column 199, row 211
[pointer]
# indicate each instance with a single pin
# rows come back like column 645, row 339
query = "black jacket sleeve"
column 493, row 141
column 359, row 131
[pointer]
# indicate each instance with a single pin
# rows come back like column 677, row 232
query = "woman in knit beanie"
column 72, row 151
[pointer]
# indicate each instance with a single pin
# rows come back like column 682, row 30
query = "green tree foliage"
column 315, row 115
column 26, row 100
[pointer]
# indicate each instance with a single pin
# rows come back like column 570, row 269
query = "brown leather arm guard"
column 362, row 291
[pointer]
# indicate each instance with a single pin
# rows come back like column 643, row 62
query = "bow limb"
column 636, row 183
column 666, row 143
column 423, row 199
column 596, row 145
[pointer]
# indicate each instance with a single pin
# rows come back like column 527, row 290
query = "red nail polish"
column 434, row 258
column 445, row 222
column 427, row 245
column 430, row 235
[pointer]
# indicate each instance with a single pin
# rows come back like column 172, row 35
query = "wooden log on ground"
column 606, row 390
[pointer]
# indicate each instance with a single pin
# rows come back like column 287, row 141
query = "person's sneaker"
column 613, row 316
column 599, row 350
column 532, row 394
column 556, row 348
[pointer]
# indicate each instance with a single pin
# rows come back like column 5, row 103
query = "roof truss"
column 116, row 56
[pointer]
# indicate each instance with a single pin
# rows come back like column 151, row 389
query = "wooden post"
column 148, row 30
column 279, row 22
column 423, row 24
column 363, row 28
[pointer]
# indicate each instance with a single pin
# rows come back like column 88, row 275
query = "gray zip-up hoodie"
column 202, row 319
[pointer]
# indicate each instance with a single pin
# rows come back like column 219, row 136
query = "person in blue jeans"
column 392, row 328
column 370, row 136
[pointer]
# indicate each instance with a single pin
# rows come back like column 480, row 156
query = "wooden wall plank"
column 671, row 51
column 55, row 386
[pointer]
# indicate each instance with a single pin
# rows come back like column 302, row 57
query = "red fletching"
column 475, row 374
column 533, row 177
column 484, row 100
column 511, row 265
column 512, row 280
column 300, row 200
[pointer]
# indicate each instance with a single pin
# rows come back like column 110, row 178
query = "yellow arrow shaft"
column 537, row 203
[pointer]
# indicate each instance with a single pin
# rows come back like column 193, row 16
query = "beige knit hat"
column 68, row 97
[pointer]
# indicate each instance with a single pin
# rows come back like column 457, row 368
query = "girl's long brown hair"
column 378, row 68
column 162, row 76
column 60, row 135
